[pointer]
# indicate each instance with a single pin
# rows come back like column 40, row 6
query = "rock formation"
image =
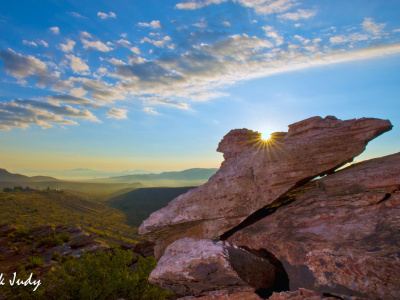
column 199, row 267
column 343, row 236
column 334, row 237
column 256, row 173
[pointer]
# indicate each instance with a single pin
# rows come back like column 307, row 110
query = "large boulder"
column 341, row 237
column 256, row 173
column 200, row 267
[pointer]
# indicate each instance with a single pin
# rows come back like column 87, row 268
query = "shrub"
column 7, row 189
column 35, row 261
column 104, row 275
column 65, row 237
column 50, row 240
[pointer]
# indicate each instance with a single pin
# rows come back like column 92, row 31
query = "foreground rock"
column 341, row 237
column 300, row 294
column 199, row 267
column 226, row 296
column 255, row 174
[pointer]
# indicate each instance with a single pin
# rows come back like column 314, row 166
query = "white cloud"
column 135, row 50
column 158, row 43
column 76, row 15
column 201, row 24
column 354, row 37
column 21, row 66
column 117, row 113
column 124, row 35
column 105, row 16
column 43, row 43
column 95, row 45
column 86, row 34
column 124, row 43
column 227, row 23
column 197, row 4
column 78, row 66
column 29, row 43
column 55, row 30
column 155, row 24
column 151, row 111
column 370, row 26
column 272, row 33
column 299, row 14
column 266, row 7
column 68, row 46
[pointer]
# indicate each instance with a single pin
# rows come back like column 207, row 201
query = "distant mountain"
column 137, row 205
column 81, row 173
column 6, row 176
column 190, row 174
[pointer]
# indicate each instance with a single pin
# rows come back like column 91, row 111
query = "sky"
column 155, row 85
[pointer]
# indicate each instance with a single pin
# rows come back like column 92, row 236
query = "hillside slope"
column 137, row 205
column 37, row 208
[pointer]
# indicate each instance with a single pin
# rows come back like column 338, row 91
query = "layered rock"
column 256, row 173
column 300, row 294
column 226, row 296
column 200, row 267
column 342, row 236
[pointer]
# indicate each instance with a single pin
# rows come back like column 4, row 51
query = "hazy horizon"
column 127, row 85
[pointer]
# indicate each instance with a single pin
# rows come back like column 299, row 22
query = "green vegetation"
column 29, row 209
column 140, row 203
column 34, row 262
column 104, row 275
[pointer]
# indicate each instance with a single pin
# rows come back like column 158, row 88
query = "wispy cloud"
column 370, row 26
column 151, row 111
column 55, row 30
column 68, row 46
column 105, row 16
column 299, row 14
column 21, row 66
column 197, row 4
column 77, row 65
column 95, row 45
column 29, row 43
column 76, row 15
column 117, row 113
column 43, row 43
column 155, row 24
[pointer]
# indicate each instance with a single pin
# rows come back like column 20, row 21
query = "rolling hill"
column 36, row 208
column 196, row 174
column 6, row 176
column 137, row 205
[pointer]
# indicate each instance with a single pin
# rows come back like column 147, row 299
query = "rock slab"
column 341, row 237
column 200, row 267
column 256, row 172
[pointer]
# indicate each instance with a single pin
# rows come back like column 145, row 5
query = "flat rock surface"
column 255, row 173
column 199, row 267
column 341, row 237
column 300, row 294
column 226, row 296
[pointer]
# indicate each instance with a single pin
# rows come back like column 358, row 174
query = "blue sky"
column 155, row 85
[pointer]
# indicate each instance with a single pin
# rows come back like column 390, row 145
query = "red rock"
column 300, row 294
column 200, row 267
column 341, row 237
column 6, row 228
column 226, row 296
column 256, row 173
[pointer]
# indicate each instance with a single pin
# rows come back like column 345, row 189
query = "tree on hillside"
column 7, row 189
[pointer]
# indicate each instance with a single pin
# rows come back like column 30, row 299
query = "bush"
column 7, row 189
column 65, row 237
column 104, row 275
column 35, row 261
column 49, row 240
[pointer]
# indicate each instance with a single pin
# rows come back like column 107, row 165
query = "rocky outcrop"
column 18, row 246
column 300, row 294
column 200, row 267
column 256, row 173
column 341, row 237
column 226, row 296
